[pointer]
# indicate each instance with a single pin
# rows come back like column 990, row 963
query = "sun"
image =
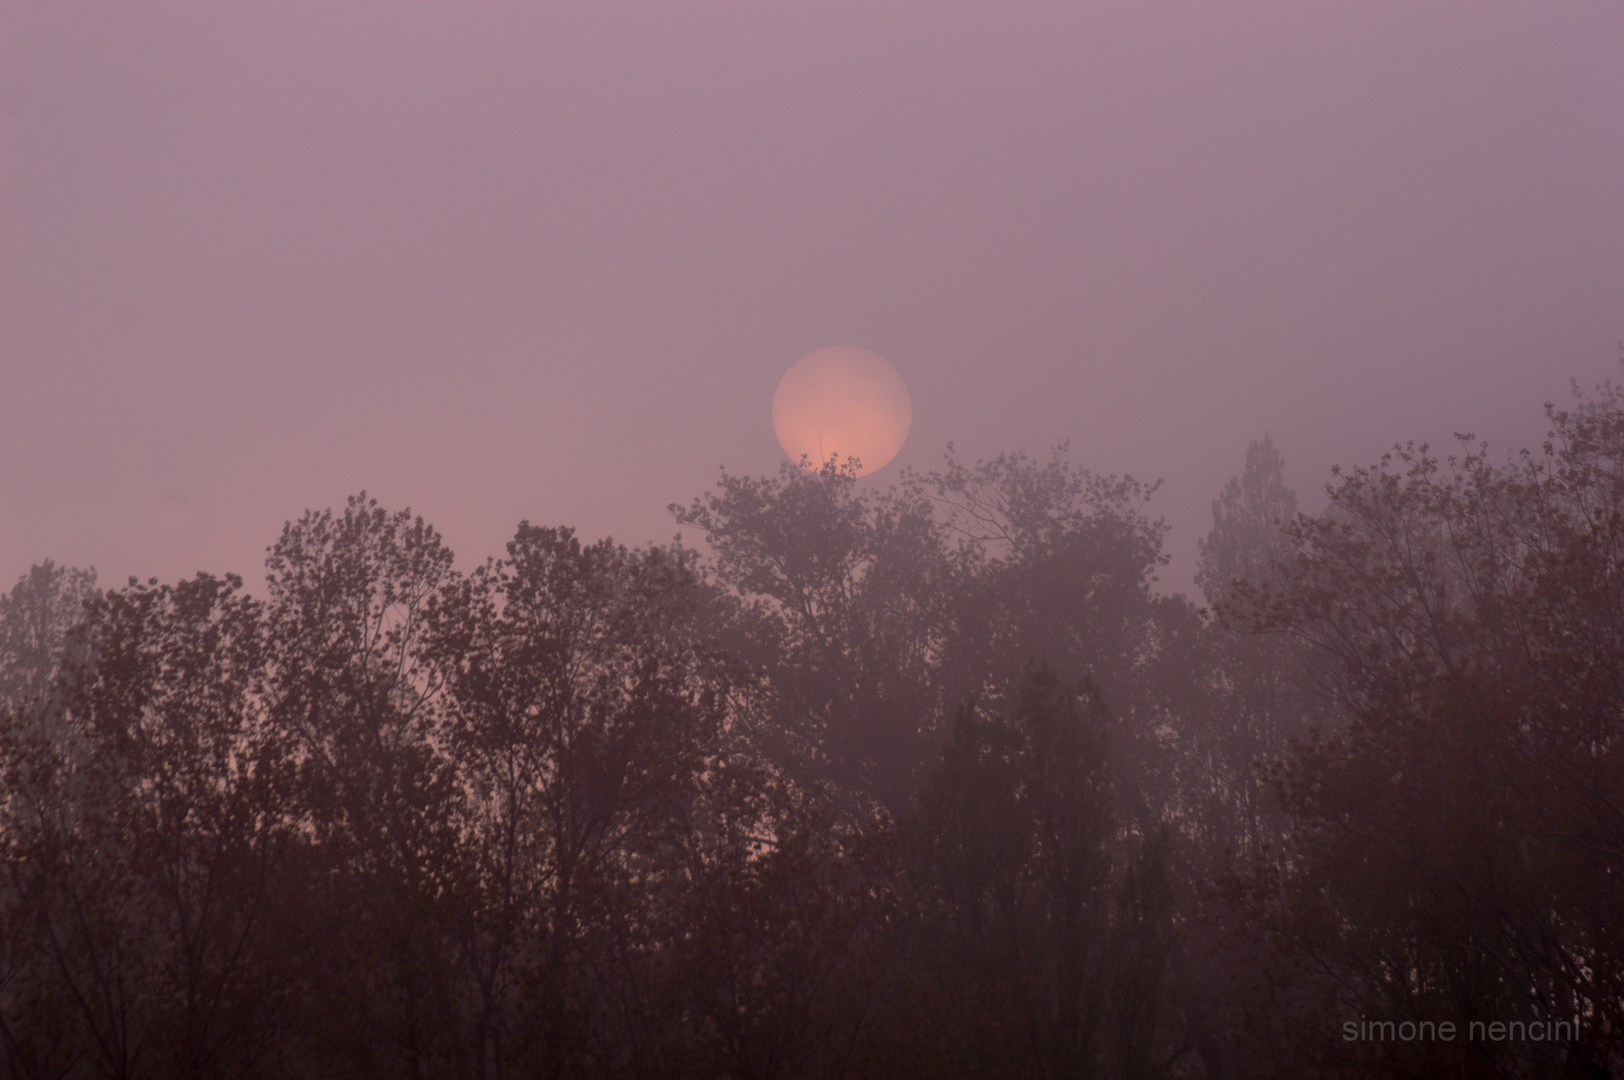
column 842, row 402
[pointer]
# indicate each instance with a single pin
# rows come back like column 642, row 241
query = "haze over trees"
column 923, row 781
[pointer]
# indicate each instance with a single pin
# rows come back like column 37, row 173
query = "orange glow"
column 845, row 402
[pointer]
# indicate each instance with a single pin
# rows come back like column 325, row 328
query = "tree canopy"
column 931, row 780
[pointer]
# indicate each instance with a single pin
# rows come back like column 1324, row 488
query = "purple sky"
column 548, row 261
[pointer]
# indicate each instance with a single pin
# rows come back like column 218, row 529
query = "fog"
column 1128, row 724
column 495, row 262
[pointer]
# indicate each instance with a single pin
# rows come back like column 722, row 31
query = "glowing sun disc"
column 843, row 402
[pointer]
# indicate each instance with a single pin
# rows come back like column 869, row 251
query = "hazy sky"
column 548, row 261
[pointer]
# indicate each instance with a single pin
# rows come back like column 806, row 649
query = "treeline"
column 926, row 782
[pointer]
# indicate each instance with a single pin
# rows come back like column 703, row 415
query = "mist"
column 503, row 263
column 423, row 654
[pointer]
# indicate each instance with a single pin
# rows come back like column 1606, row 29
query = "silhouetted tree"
column 348, row 684
column 1055, row 565
column 872, row 615
column 590, row 811
column 583, row 717
column 842, row 616
column 1059, row 919
column 1456, row 850
column 145, row 828
column 781, row 943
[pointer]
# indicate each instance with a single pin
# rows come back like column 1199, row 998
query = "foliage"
column 1456, row 850
column 1059, row 920
column 144, row 843
column 927, row 781
column 842, row 618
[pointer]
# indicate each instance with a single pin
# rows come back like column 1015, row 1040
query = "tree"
column 1249, row 522
column 583, row 714
column 872, row 615
column 145, row 829
column 841, row 615
column 781, row 946
column 1455, row 850
column 1059, row 917
column 35, row 623
column 1055, row 565
column 1260, row 683
column 347, row 596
